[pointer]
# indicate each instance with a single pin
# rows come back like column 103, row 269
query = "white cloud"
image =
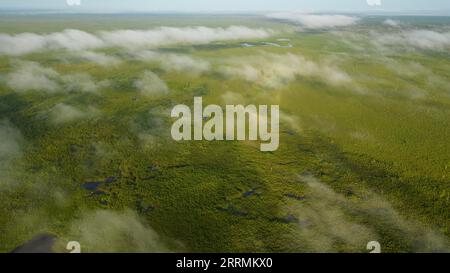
column 69, row 39
column 314, row 21
column 77, row 40
column 420, row 39
column 73, row 39
column 233, row 98
column 324, row 219
column 276, row 70
column 31, row 76
column 292, row 121
column 99, row 58
column 184, row 63
column 415, row 70
column 81, row 82
column 171, row 35
column 63, row 113
column 11, row 138
column 391, row 23
column 149, row 84
column 174, row 62
column 109, row 231
column 11, row 142
column 21, row 43
column 408, row 69
column 146, row 55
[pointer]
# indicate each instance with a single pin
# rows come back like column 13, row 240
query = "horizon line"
column 378, row 12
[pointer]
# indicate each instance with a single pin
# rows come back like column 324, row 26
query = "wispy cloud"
column 10, row 144
column 276, row 70
column 77, row 40
column 174, row 62
column 109, row 231
column 391, row 23
column 99, row 58
column 315, row 21
column 186, row 63
column 11, row 149
column 325, row 218
column 149, row 84
column 63, row 113
column 31, row 76
column 416, row 39
column 171, row 35
column 70, row 39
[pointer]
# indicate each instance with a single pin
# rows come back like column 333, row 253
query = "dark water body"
column 111, row 179
column 282, row 43
column 39, row 244
column 233, row 211
column 99, row 192
column 93, row 186
column 293, row 196
column 249, row 193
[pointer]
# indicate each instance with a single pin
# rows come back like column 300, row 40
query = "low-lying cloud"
column 11, row 149
column 10, row 144
column 63, row 113
column 276, row 70
column 99, row 58
column 77, row 40
column 418, row 39
column 31, row 76
column 81, row 82
column 178, row 62
column 413, row 70
column 391, row 23
column 116, row 232
column 149, row 84
column 325, row 221
column 174, row 62
column 315, row 21
column 171, row 35
column 70, row 39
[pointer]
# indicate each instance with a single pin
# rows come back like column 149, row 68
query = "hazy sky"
column 229, row 5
